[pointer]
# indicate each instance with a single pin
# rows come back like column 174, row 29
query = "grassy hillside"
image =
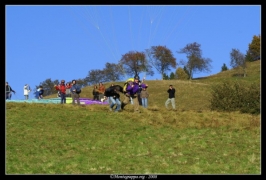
column 67, row 139
column 190, row 95
column 253, row 74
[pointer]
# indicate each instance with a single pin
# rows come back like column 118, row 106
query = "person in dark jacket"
column 171, row 97
column 95, row 93
column 74, row 94
column 9, row 90
column 40, row 92
column 113, row 94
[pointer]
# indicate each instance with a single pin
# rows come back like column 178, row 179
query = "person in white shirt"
column 26, row 91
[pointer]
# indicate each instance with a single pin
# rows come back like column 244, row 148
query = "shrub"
column 236, row 96
column 181, row 74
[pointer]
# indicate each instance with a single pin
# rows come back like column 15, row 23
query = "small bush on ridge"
column 236, row 96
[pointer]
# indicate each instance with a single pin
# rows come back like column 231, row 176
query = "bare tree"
column 95, row 76
column 238, row 60
column 161, row 58
column 195, row 60
column 112, row 72
column 82, row 82
column 134, row 63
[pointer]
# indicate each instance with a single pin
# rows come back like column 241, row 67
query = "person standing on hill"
column 101, row 90
column 144, row 97
column 40, row 92
column 95, row 93
column 68, row 93
column 74, row 90
column 62, row 89
column 26, row 91
column 171, row 97
column 9, row 90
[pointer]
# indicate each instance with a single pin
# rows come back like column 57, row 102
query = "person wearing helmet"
column 132, row 91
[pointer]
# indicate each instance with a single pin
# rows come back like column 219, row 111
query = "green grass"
column 253, row 74
column 67, row 139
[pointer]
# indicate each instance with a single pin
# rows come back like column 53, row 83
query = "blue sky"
column 67, row 41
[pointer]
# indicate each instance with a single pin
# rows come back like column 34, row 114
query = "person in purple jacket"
column 133, row 89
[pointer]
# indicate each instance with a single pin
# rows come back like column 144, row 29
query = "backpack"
column 78, row 89
column 126, row 83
